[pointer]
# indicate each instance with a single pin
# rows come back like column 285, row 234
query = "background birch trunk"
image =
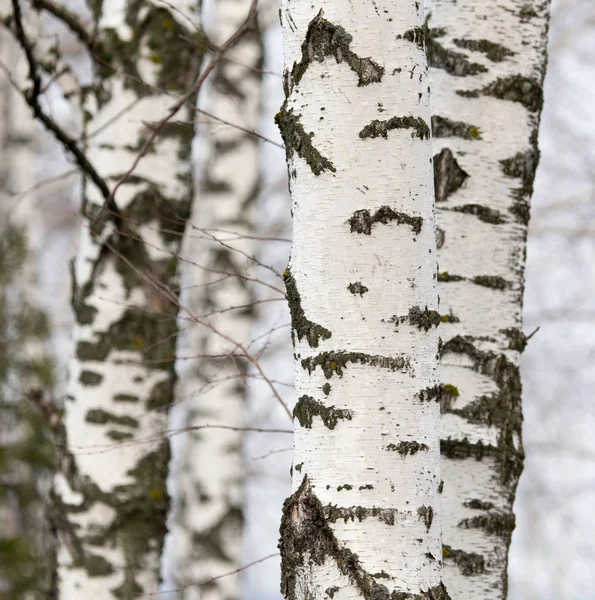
column 364, row 518
column 210, row 480
column 487, row 65
column 26, row 368
column 112, row 505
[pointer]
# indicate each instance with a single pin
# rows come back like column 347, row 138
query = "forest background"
column 552, row 551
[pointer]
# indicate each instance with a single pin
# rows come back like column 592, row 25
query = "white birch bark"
column 487, row 65
column 209, row 518
column 113, row 504
column 364, row 518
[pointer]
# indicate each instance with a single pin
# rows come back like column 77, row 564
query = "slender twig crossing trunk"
column 364, row 518
column 487, row 64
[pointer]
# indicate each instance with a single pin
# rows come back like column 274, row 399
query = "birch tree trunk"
column 487, row 66
column 113, row 504
column 208, row 538
column 26, row 373
column 364, row 518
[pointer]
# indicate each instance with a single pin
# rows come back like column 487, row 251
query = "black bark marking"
column 492, row 281
column 362, row 221
column 462, row 449
column 448, row 175
column 90, row 378
column 493, row 523
column 454, row 63
column 378, row 128
column 422, row 319
column 307, row 540
column 418, row 35
column 483, row 213
column 300, row 325
column 335, row 362
column 407, row 448
column 443, row 127
column 494, row 52
column 426, row 514
column 469, row 563
column 101, row 417
column 334, row 513
column 307, row 408
column 477, row 504
column 445, row 277
column 517, row 340
column 297, row 140
column 324, row 39
column 516, row 88
column 522, row 166
column 357, row 288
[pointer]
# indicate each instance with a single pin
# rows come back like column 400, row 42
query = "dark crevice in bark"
column 335, row 362
column 307, row 540
column 422, row 319
column 377, row 128
column 357, row 288
column 408, row 448
column 362, row 220
column 297, row 140
column 323, row 40
column 300, row 324
column 307, row 408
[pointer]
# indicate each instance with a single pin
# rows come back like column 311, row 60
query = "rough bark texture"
column 26, row 369
column 112, row 499
column 364, row 518
column 485, row 147
column 209, row 518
